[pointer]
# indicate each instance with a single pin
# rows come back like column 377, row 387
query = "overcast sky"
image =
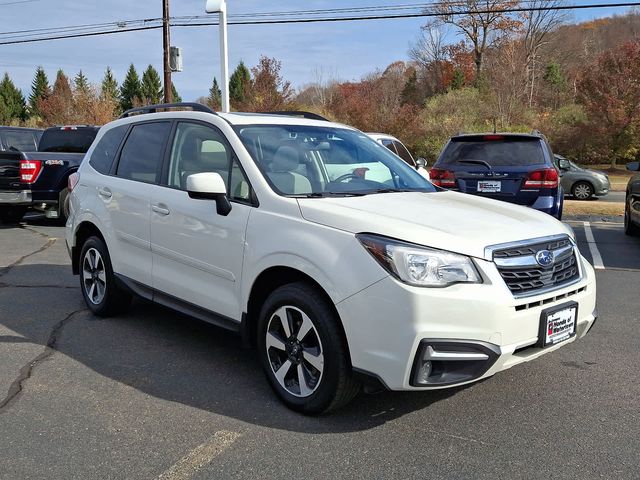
column 347, row 50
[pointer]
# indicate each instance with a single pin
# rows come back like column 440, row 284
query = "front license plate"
column 558, row 324
column 489, row 187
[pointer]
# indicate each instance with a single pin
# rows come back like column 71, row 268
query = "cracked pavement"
column 153, row 394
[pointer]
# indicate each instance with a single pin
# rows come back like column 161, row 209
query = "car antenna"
column 495, row 125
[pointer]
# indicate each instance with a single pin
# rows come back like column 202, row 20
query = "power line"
column 319, row 20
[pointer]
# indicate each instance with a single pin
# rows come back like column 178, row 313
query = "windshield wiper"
column 394, row 190
column 331, row 194
column 476, row 162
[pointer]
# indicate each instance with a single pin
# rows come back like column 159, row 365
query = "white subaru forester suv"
column 338, row 261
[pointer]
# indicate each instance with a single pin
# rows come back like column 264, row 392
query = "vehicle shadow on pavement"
column 174, row 357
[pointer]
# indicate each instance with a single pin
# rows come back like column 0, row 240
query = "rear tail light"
column 73, row 180
column 29, row 170
column 547, row 178
column 443, row 178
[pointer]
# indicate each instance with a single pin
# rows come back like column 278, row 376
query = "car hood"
column 446, row 220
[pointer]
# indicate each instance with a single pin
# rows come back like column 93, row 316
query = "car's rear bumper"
column 17, row 197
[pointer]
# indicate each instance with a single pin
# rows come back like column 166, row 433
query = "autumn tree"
column 610, row 92
column 58, row 108
column 130, row 91
column 483, row 23
column 12, row 102
column 239, row 85
column 151, row 86
column 40, row 89
column 269, row 91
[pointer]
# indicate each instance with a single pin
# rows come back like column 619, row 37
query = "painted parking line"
column 200, row 456
column 593, row 247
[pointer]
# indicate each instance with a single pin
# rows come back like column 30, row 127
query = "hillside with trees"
column 577, row 83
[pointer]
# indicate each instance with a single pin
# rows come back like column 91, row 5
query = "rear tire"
column 97, row 281
column 630, row 228
column 318, row 376
column 10, row 215
column 63, row 206
column 582, row 190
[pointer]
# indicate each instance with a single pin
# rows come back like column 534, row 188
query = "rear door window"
column 502, row 151
column 105, row 151
column 143, row 151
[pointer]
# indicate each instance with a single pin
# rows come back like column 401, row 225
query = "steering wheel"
column 346, row 176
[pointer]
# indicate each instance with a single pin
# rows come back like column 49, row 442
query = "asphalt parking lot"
column 156, row 395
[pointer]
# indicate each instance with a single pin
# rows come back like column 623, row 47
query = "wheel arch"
column 84, row 230
column 268, row 281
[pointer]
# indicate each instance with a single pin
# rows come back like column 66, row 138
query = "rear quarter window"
column 105, row 152
column 508, row 151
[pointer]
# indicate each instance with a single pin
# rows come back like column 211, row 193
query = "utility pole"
column 166, row 42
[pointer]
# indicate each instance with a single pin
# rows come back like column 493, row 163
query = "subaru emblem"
column 545, row 258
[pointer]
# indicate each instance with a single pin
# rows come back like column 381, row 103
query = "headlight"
column 420, row 266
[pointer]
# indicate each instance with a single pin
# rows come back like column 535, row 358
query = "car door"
column 197, row 253
column 126, row 195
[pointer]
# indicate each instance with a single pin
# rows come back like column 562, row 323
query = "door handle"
column 105, row 192
column 160, row 209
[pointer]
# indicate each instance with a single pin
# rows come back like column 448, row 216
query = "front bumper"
column 17, row 197
column 386, row 323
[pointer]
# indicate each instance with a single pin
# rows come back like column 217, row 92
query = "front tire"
column 303, row 351
column 97, row 281
column 582, row 190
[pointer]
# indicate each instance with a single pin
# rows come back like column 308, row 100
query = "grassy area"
column 594, row 207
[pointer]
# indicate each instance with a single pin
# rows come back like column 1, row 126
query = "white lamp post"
column 220, row 6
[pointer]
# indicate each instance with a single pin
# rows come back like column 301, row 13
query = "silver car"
column 580, row 182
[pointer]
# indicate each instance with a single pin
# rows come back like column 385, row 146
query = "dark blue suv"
column 513, row 167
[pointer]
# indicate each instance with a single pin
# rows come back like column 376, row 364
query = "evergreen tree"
column 40, row 89
column 410, row 93
column 176, row 96
column 215, row 95
column 81, row 82
column 458, row 80
column 151, row 87
column 130, row 92
column 239, row 84
column 109, row 87
column 12, row 102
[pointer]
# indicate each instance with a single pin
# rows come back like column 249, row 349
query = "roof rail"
column 196, row 107
column 299, row 113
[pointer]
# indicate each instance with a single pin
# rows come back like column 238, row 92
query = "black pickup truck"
column 38, row 179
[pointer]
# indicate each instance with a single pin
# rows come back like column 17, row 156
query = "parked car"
column 513, row 167
column 632, row 202
column 38, row 178
column 397, row 147
column 330, row 254
column 18, row 138
column 581, row 183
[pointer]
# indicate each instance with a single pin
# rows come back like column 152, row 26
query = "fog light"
column 423, row 372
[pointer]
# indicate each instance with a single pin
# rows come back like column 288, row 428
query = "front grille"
column 524, row 276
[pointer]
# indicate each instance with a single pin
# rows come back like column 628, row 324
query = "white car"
column 324, row 250
column 397, row 147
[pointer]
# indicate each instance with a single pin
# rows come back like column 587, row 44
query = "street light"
column 220, row 6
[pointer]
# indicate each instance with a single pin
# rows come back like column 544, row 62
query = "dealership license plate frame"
column 489, row 186
column 549, row 313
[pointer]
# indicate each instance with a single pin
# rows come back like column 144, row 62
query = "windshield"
column 506, row 151
column 325, row 161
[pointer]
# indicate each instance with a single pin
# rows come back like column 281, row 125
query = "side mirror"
column 209, row 186
column 564, row 164
column 633, row 166
column 421, row 162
